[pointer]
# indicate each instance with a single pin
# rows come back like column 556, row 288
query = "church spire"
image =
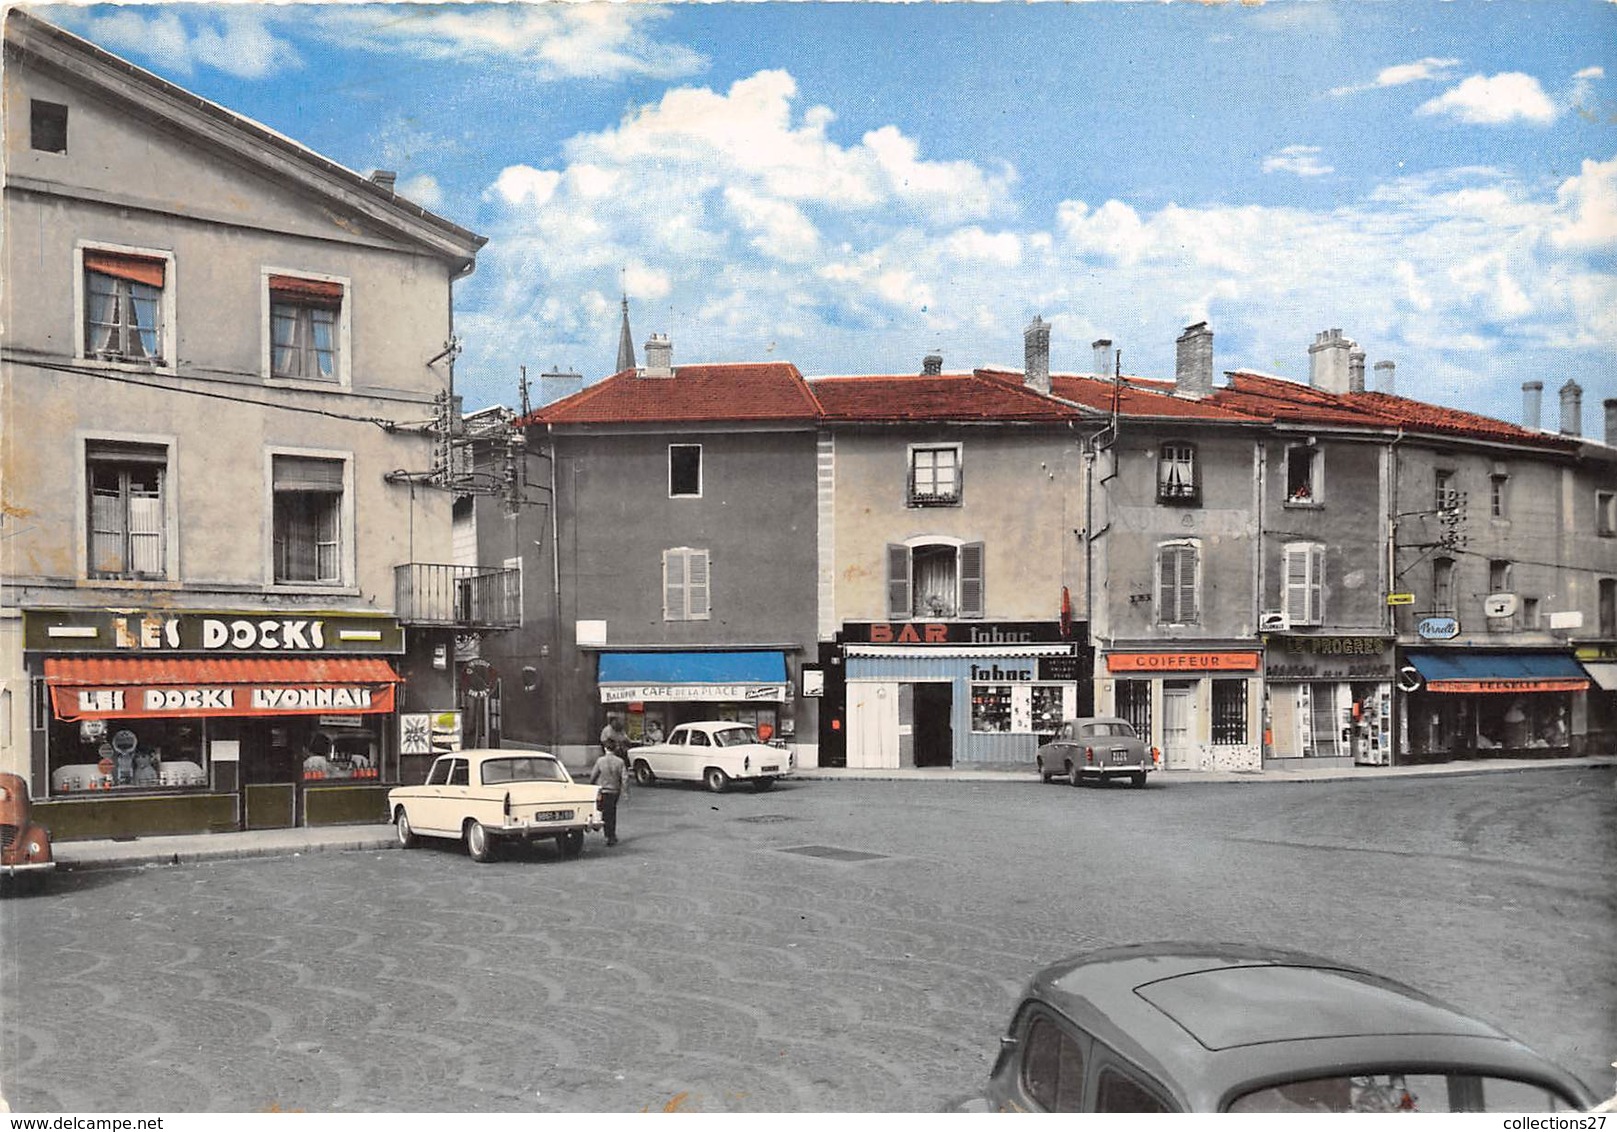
column 625, row 341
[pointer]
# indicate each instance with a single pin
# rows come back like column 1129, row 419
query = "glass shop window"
column 126, row 755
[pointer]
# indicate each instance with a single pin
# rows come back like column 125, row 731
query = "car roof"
column 1214, row 1020
column 1097, row 719
column 478, row 754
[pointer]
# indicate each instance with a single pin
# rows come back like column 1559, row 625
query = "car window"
column 1066, row 731
column 1401, row 1092
column 1052, row 1067
column 735, row 736
column 439, row 774
column 458, row 773
column 679, row 738
column 1108, row 730
column 1116, row 1091
column 521, row 768
column 699, row 739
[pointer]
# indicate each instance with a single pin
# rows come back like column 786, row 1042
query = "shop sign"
column 960, row 632
column 1060, row 668
column 1400, row 599
column 226, row 633
column 688, row 693
column 1438, row 628
column 1181, row 661
column 813, row 682
column 74, row 703
column 1595, row 652
column 1499, row 605
column 1568, row 684
column 994, row 674
column 1328, row 658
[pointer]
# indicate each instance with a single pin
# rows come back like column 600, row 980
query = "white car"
column 487, row 796
column 715, row 753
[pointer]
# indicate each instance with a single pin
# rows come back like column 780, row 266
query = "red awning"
column 154, row 687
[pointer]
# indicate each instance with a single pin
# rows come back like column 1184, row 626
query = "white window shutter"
column 898, row 581
column 146, row 533
column 972, row 593
column 1316, row 585
column 1297, row 588
column 673, row 585
column 1189, row 606
column 697, row 590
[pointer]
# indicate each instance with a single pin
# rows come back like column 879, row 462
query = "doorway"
column 1178, row 714
column 934, row 734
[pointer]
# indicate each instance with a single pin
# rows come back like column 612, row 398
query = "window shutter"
column 302, row 473
column 308, row 292
column 1188, row 604
column 1316, row 585
column 146, row 532
column 971, row 580
column 106, row 530
column 1168, row 584
column 135, row 269
column 673, row 585
column 1297, row 588
column 898, row 581
column 696, row 584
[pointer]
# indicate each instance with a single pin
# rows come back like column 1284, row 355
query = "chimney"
column 659, row 357
column 1193, row 362
column 1387, row 377
column 1328, row 361
column 1036, row 347
column 1611, row 421
column 1355, row 371
column 384, row 178
column 1571, row 409
column 1532, row 393
column 932, row 365
column 1105, row 360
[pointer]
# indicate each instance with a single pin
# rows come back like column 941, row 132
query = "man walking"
column 611, row 775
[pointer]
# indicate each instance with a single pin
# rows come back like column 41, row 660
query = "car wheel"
column 642, row 773
column 1044, row 775
column 479, row 842
column 1138, row 779
column 1074, row 775
column 716, row 780
column 571, row 842
column 401, row 826
column 762, row 784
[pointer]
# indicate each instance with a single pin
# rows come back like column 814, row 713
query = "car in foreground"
column 1230, row 1028
column 25, row 845
column 715, row 753
column 1097, row 747
column 486, row 797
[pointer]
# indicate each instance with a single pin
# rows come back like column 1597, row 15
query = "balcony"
column 466, row 597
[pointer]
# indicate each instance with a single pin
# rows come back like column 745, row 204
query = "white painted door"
column 872, row 725
column 1178, row 715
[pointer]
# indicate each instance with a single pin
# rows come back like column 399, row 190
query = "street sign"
column 1438, row 628
column 1400, row 599
column 1409, row 679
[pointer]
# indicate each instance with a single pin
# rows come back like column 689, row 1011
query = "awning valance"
column 1481, row 670
column 149, row 687
column 1604, row 675
column 751, row 675
column 979, row 652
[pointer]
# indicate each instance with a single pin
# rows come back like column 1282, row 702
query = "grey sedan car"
column 1231, row 1028
column 1098, row 747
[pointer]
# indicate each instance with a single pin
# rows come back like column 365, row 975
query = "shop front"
column 1465, row 703
column 205, row 722
column 651, row 692
column 1202, row 708
column 1600, row 662
column 948, row 693
column 1328, row 698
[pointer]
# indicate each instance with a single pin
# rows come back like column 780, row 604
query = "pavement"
column 145, row 852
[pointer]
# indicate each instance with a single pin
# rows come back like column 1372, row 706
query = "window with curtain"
column 305, row 317
column 123, row 306
column 127, row 522
column 935, row 580
column 308, row 519
column 1305, row 583
column 1178, row 564
column 935, row 476
column 1177, row 480
column 686, row 585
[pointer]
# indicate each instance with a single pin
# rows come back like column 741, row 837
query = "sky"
column 852, row 186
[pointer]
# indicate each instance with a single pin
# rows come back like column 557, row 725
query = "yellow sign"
column 1400, row 599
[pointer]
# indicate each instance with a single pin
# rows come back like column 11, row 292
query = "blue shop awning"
column 1480, row 670
column 749, row 675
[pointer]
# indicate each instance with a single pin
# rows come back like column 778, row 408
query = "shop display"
column 990, row 707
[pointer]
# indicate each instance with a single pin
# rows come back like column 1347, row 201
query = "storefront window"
column 127, row 755
column 1048, row 702
column 340, row 748
column 1133, row 700
column 990, row 707
column 1229, row 712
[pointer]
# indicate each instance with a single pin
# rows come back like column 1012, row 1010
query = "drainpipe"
column 555, row 582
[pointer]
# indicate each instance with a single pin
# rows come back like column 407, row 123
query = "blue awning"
column 693, row 668
column 1481, row 670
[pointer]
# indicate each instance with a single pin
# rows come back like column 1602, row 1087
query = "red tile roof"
column 743, row 391
column 934, row 397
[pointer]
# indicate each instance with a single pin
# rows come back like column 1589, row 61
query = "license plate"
column 1119, row 755
column 772, row 769
column 553, row 815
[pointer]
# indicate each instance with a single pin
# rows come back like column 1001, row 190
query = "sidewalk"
column 188, row 848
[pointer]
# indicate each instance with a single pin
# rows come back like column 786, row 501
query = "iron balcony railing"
column 471, row 597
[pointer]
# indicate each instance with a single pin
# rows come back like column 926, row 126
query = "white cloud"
column 1401, row 74
column 1589, row 208
column 1486, row 100
column 1302, row 160
column 519, row 184
column 423, row 189
column 237, row 42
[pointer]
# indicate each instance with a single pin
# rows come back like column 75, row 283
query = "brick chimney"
column 1036, row 349
column 1328, row 361
column 1355, row 371
column 1532, row 396
column 1105, row 360
column 659, row 357
column 1387, row 377
column 1571, row 408
column 932, row 365
column 1611, row 421
column 1193, row 362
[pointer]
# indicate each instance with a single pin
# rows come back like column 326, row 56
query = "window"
column 1117, row 1092
column 934, row 580
column 1446, row 497
column 684, row 470
column 1499, row 495
column 439, row 774
column 935, row 476
column 1498, row 576
column 1302, row 474
column 698, row 738
column 1177, row 474
column 1606, row 513
column 47, row 126
column 127, row 755
column 308, row 519
column 1229, row 712
column 1053, row 1067
column 123, row 306
column 1133, row 699
column 1529, row 613
column 1305, row 583
column 1178, row 564
column 127, row 531
column 305, row 326
column 1443, row 585
column 686, row 590
column 460, row 772
column 1608, row 607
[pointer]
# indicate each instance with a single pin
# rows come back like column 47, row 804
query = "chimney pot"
column 1611, row 421
column 384, row 178
column 1571, row 409
column 1355, row 371
column 1387, row 377
column 1329, row 361
column 1036, row 351
column 1105, row 360
column 932, row 365
column 1193, row 361
column 659, row 357
column 1532, row 395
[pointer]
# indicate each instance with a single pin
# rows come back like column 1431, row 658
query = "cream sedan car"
column 485, row 797
column 714, row 753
